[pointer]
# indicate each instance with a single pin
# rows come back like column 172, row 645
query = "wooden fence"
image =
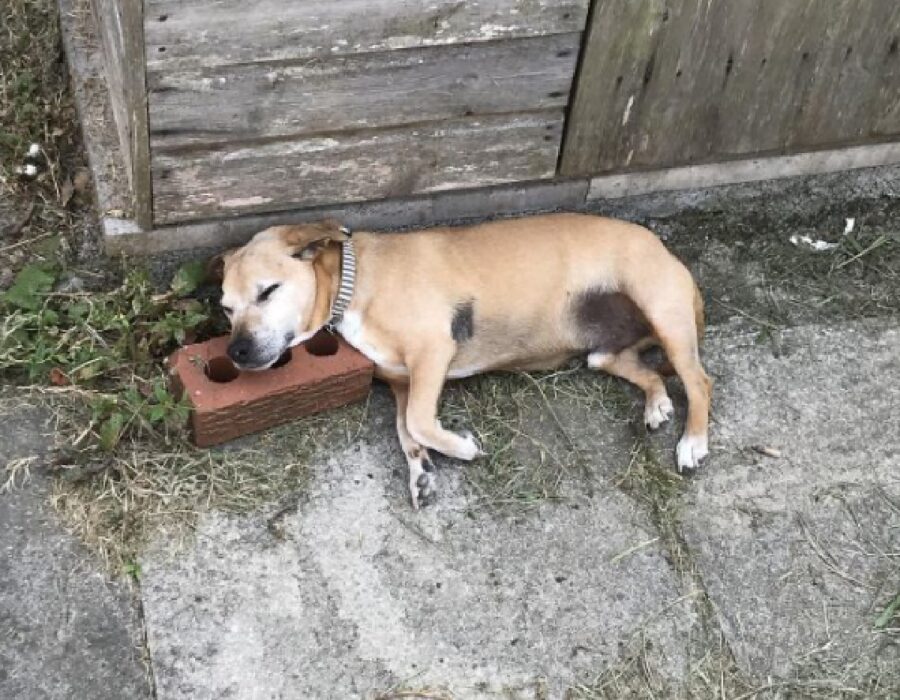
column 231, row 109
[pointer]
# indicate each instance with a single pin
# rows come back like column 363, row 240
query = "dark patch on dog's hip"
column 462, row 327
column 609, row 321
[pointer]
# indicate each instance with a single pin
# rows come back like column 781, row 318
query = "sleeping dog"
column 516, row 294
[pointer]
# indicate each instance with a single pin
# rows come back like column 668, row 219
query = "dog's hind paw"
column 657, row 411
column 471, row 448
column 422, row 489
column 691, row 450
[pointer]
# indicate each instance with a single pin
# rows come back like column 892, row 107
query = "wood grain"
column 183, row 34
column 673, row 82
column 120, row 26
column 355, row 166
column 238, row 103
column 107, row 16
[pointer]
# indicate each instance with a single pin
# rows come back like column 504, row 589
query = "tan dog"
column 518, row 294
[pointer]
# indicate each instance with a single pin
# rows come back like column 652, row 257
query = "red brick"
column 254, row 401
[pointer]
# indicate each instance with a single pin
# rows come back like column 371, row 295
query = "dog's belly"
column 505, row 347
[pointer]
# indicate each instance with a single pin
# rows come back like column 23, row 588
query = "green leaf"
column 160, row 392
column 77, row 311
column 188, row 277
column 49, row 317
column 892, row 609
column 157, row 413
column 31, row 282
column 111, row 431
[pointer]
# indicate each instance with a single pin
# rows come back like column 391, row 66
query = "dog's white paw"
column 691, row 450
column 657, row 411
column 422, row 488
column 469, row 448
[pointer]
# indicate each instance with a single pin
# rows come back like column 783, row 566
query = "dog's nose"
column 239, row 350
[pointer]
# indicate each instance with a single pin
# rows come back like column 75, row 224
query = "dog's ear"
column 306, row 241
column 215, row 266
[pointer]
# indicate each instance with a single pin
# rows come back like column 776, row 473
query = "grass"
column 522, row 421
column 36, row 108
column 759, row 277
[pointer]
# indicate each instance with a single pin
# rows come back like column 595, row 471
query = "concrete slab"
column 66, row 631
column 799, row 552
column 354, row 594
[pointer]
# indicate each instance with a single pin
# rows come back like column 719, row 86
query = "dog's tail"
column 662, row 364
column 699, row 317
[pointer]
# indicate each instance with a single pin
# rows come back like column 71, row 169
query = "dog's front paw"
column 422, row 489
column 691, row 450
column 657, row 411
column 469, row 447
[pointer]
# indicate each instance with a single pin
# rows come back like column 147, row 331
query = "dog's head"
column 269, row 290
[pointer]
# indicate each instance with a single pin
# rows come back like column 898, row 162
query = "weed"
column 108, row 344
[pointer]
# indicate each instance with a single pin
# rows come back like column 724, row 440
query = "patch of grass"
column 714, row 675
column 115, row 500
column 36, row 111
column 525, row 422
column 34, row 96
column 106, row 346
column 650, row 480
column 748, row 267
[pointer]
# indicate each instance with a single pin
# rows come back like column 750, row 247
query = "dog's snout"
column 239, row 349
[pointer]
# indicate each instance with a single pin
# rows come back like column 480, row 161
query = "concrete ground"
column 66, row 629
column 762, row 575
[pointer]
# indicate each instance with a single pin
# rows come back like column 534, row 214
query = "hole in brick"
column 221, row 370
column 283, row 360
column 321, row 345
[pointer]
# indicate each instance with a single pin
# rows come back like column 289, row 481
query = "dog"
column 446, row 303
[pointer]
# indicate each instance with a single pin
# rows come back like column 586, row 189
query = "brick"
column 321, row 374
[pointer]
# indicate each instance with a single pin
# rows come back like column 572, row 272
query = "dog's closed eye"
column 266, row 293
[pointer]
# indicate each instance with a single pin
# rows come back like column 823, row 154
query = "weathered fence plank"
column 190, row 33
column 121, row 28
column 238, row 103
column 109, row 30
column 676, row 82
column 348, row 166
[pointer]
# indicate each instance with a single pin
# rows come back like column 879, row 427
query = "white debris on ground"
column 814, row 244
column 820, row 245
column 28, row 170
